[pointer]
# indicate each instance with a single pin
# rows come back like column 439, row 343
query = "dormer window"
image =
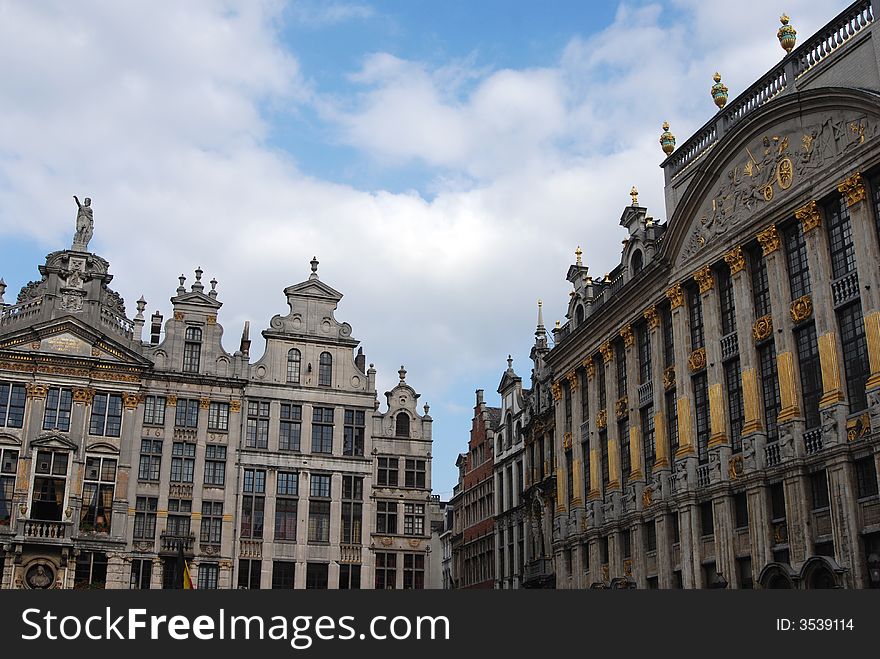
column 638, row 261
column 192, row 350
column 294, row 362
column 401, row 428
column 325, row 369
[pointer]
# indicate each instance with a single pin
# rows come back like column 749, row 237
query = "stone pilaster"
column 595, row 450
column 686, row 443
column 576, row 497
column 614, row 476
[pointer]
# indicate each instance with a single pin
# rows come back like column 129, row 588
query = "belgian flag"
column 184, row 580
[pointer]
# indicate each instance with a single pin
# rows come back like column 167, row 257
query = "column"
column 559, row 436
column 686, row 448
column 661, row 441
column 575, row 497
column 595, row 450
column 611, row 397
column 759, row 528
column 636, row 454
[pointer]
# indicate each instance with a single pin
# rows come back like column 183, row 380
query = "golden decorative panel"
column 590, row 367
column 697, row 360
column 704, row 278
column 36, row 390
column 85, row 396
column 872, row 335
column 627, row 335
column 647, row 497
column 572, row 378
column 735, row 467
column 763, row 328
column 607, row 351
column 685, row 430
column 809, row 216
column 801, row 309
column 204, row 403
column 235, row 406
column 716, row 415
column 858, row 427
column 769, row 239
column 788, row 397
column 675, row 296
column 669, row 377
column 853, row 189
column 131, row 401
column 735, row 260
column 556, row 390
column 652, row 317
column 566, row 441
column 211, row 320
column 601, row 419
column 178, row 315
column 831, row 390
column 171, row 401
column 751, row 402
column 621, row 407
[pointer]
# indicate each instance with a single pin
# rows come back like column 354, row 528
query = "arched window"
column 508, row 430
column 518, row 434
column 402, row 425
column 637, row 261
column 579, row 314
column 294, row 360
column 192, row 350
column 325, row 369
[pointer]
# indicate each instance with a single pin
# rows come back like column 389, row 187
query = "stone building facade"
column 716, row 396
column 116, row 452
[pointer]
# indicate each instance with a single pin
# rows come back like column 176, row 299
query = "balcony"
column 538, row 573
column 703, row 477
column 845, row 289
column 251, row 549
column 813, row 441
column 44, row 531
column 169, row 543
column 773, row 455
column 350, row 554
column 646, row 393
column 729, row 345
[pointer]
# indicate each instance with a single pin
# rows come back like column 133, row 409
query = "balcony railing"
column 541, row 568
column 39, row 530
column 703, row 476
column 170, row 542
column 845, row 289
column 117, row 323
column 251, row 549
column 729, row 346
column 646, row 393
column 17, row 312
column 813, row 441
column 350, row 554
column 773, row 455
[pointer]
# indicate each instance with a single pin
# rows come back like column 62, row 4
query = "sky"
column 442, row 160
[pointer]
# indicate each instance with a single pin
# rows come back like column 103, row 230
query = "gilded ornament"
column 590, row 367
column 735, row 260
column 235, row 406
column 853, row 188
column 171, row 401
column 697, row 360
column 635, row 196
column 652, row 317
column 84, row 396
column 607, row 351
column 131, row 401
column 178, row 315
column 762, row 328
column 809, row 217
column 602, row 419
column 858, row 427
column 784, row 173
column 769, row 239
column 96, row 352
column 605, row 572
column 572, row 378
column 627, row 335
column 36, row 390
column 620, row 407
column 204, row 403
column 719, row 91
column 628, row 567
column 669, row 377
column 556, row 389
column 647, row 497
column 566, row 441
column 675, row 296
column 787, row 35
column 211, row 320
column 667, row 140
column 704, row 278
column 801, row 309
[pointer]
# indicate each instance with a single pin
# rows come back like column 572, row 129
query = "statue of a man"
column 84, row 224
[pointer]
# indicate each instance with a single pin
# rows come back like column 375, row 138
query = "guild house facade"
column 277, row 473
column 716, row 396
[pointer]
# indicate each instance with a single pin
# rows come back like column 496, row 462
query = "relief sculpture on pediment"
column 767, row 169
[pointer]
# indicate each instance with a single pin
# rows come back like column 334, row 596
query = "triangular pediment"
column 314, row 288
column 508, row 380
column 196, row 298
column 54, row 441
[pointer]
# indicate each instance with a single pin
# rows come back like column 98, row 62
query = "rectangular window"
column 58, row 405
column 249, row 573
column 414, row 519
column 8, row 469
column 701, row 413
column 317, row 576
column 650, row 534
column 735, row 411
column 179, row 511
column 777, row 502
column 218, row 417
column 387, row 474
column 726, row 301
column 253, row 503
column 215, row 465
column 797, row 262
column 12, row 402
column 601, row 389
column 319, row 508
column 672, row 421
column 620, row 363
column 99, row 482
column 286, row 504
column 283, row 573
column 855, row 354
column 569, row 474
column 183, row 462
column 186, row 414
column 349, row 577
column 50, row 484
column 322, row 430
column 386, row 570
column 141, row 572
column 145, row 518
column 191, row 356
column 151, row 460
column 353, row 443
column 866, row 477
column 352, row 509
column 625, row 543
column 623, row 442
column 290, row 432
column 585, row 401
column 603, row 450
column 106, row 419
column 810, row 371
column 585, row 450
column 760, row 282
column 741, row 510
column 209, row 574
column 707, row 518
column 154, row 411
column 414, row 473
column 257, row 429
column 674, row 524
column 212, row 523
column 668, row 336
column 843, row 254
column 386, row 517
column 91, row 570
column 649, row 444
column 819, row 490
column 413, row 571
column 566, row 404
column 644, row 348
column 769, row 389
column 695, row 318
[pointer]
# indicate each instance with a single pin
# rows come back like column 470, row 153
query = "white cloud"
column 317, row 14
column 156, row 112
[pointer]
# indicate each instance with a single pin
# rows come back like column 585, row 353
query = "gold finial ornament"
column 577, row 254
column 719, row 91
column 787, row 35
column 667, row 140
column 635, row 196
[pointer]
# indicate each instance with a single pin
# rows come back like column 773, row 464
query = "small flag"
column 185, row 580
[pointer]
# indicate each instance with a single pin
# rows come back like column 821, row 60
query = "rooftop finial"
column 199, row 273
column 197, row 284
column 635, row 196
column 509, row 362
column 141, row 305
column 2, row 290
column 213, row 291
column 667, row 139
column 719, row 91
column 577, row 254
column 787, row 35
column 402, row 373
column 84, row 224
column 314, row 263
column 181, row 289
column 540, row 314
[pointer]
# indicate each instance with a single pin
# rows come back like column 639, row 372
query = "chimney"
column 479, row 397
column 155, row 328
column 245, row 346
column 361, row 360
